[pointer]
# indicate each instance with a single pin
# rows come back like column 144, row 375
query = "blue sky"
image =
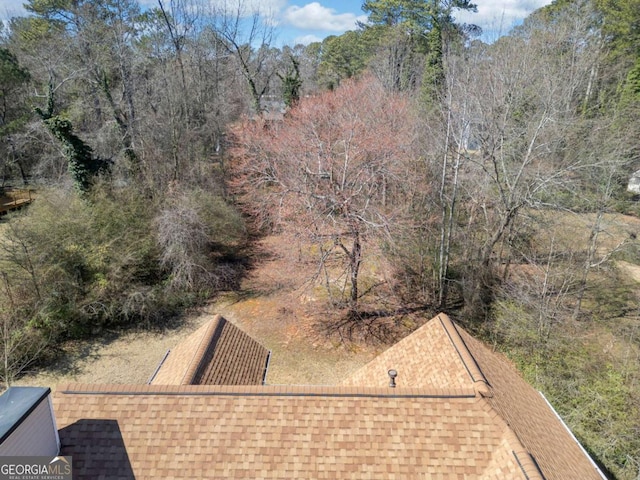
column 303, row 21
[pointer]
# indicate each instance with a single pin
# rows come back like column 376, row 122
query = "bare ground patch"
column 279, row 307
column 113, row 357
column 630, row 270
column 276, row 305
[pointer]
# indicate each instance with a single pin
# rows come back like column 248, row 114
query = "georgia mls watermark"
column 35, row 468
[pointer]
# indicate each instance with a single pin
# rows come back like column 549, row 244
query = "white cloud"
column 306, row 40
column 314, row 16
column 247, row 8
column 11, row 8
column 495, row 14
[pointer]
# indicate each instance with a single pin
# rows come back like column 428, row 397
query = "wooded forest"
column 160, row 143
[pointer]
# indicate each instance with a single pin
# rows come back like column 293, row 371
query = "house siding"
column 37, row 435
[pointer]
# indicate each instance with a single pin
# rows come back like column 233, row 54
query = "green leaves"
column 621, row 23
column 84, row 166
column 419, row 16
column 415, row 14
column 48, row 8
column 11, row 74
column 12, row 79
column 344, row 57
column 291, row 83
column 621, row 32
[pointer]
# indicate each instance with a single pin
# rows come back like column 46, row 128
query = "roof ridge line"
column 199, row 353
column 262, row 391
column 524, row 459
column 480, row 383
column 273, row 394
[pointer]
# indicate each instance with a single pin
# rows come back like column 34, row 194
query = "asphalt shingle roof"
column 440, row 353
column 274, row 432
column 531, row 418
column 218, row 353
column 424, row 359
column 460, row 411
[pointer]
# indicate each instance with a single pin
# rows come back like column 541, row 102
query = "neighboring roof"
column 459, row 411
column 218, row 353
column 283, row 433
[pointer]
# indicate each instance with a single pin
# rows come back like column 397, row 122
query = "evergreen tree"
column 621, row 28
column 12, row 78
column 429, row 23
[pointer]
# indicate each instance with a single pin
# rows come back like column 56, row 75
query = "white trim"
column 586, row 454
column 55, row 425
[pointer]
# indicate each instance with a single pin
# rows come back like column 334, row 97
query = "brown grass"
column 276, row 305
column 311, row 342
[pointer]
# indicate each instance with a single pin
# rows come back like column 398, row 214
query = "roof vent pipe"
column 392, row 378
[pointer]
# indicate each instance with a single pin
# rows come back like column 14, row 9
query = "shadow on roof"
column 97, row 448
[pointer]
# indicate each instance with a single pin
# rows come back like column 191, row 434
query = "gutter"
column 586, row 454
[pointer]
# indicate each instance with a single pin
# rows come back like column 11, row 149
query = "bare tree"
column 192, row 228
column 336, row 168
column 248, row 34
column 519, row 105
column 20, row 344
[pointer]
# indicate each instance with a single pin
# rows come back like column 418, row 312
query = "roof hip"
column 480, row 383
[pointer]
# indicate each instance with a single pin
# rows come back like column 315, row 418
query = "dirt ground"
column 631, row 270
column 275, row 305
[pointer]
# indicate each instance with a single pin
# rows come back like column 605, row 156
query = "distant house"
column 457, row 411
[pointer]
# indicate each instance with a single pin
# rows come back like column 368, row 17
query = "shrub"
column 73, row 263
column 195, row 231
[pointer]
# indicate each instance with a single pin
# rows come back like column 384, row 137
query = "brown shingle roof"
column 218, row 353
column 426, row 358
column 275, row 432
column 459, row 411
column 443, row 354
column 531, row 417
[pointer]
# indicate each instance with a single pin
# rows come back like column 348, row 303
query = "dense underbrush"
column 73, row 266
column 587, row 365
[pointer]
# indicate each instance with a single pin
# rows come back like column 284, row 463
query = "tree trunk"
column 591, row 252
column 354, row 266
column 442, row 268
